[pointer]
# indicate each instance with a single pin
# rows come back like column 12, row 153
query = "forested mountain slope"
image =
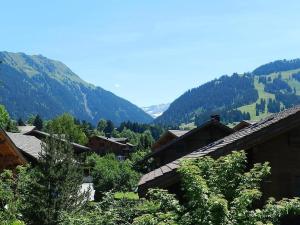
column 38, row 85
column 268, row 89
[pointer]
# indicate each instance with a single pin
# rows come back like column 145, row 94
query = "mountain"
column 156, row 110
column 268, row 89
column 38, row 85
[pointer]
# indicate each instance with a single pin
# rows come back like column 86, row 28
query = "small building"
column 29, row 146
column 167, row 137
column 187, row 142
column 78, row 149
column 104, row 145
column 275, row 139
column 10, row 154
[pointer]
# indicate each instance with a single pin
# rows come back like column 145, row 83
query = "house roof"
column 242, row 139
column 25, row 129
column 178, row 133
column 243, row 124
column 27, row 144
column 120, row 139
column 166, row 137
column 80, row 148
column 112, row 140
column 189, row 133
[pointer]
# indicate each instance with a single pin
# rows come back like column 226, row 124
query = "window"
column 297, row 186
column 121, row 157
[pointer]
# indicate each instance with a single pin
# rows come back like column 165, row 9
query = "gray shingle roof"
column 235, row 141
column 28, row 144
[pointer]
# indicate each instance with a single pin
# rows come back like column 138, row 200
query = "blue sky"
column 150, row 52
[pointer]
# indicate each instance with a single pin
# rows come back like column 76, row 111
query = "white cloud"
column 117, row 85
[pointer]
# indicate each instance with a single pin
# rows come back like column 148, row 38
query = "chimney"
column 215, row 117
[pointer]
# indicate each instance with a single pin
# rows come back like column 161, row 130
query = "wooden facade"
column 275, row 139
column 167, row 137
column 190, row 141
column 103, row 145
column 10, row 156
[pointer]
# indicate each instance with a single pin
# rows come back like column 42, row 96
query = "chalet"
column 167, row 137
column 10, row 154
column 187, row 142
column 275, row 139
column 78, row 149
column 29, row 146
column 103, row 145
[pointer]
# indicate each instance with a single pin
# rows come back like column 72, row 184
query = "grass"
column 126, row 195
column 286, row 76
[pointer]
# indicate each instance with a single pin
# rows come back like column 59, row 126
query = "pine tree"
column 55, row 185
column 20, row 122
column 38, row 122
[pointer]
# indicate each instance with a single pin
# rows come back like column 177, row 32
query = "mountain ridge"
column 51, row 88
column 268, row 89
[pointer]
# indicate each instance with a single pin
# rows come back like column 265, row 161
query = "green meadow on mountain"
column 268, row 89
column 38, row 85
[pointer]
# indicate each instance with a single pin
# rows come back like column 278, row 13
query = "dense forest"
column 268, row 89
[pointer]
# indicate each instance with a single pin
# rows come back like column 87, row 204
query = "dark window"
column 297, row 186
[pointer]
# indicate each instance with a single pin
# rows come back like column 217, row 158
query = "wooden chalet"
column 275, row 139
column 167, row 137
column 78, row 149
column 103, row 145
column 10, row 154
column 187, row 142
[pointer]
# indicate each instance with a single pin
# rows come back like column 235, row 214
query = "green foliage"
column 160, row 208
column 65, row 125
column 53, row 185
column 101, row 125
column 109, row 174
column 222, row 192
column 108, row 130
column 38, row 122
column 4, row 117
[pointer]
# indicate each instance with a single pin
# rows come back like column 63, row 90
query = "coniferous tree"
column 20, row 122
column 109, row 128
column 38, row 122
column 55, row 185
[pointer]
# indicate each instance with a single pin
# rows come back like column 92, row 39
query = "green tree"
column 221, row 192
column 38, row 122
column 4, row 117
column 146, row 140
column 109, row 128
column 20, row 122
column 109, row 174
column 159, row 208
column 65, row 125
column 101, row 125
column 54, row 186
column 9, row 200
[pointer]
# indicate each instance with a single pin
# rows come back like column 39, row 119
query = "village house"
column 22, row 148
column 104, row 145
column 41, row 135
column 175, row 144
column 275, row 139
column 10, row 155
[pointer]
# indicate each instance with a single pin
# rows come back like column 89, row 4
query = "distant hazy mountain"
column 156, row 110
column 268, row 89
column 38, row 85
